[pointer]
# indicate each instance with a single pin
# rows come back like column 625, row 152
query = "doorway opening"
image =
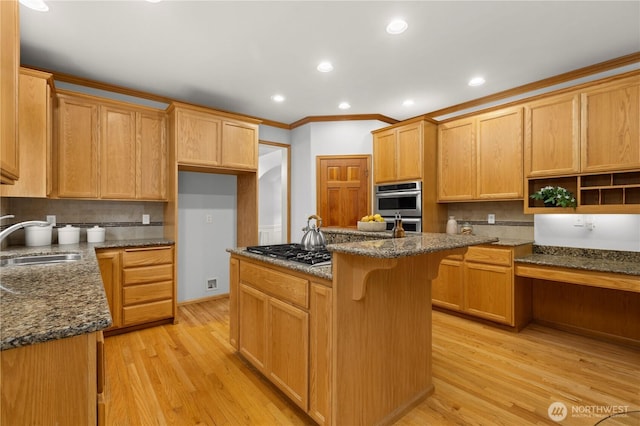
column 274, row 199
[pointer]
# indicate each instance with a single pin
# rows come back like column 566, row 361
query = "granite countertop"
column 410, row 245
column 55, row 301
column 323, row 272
column 613, row 261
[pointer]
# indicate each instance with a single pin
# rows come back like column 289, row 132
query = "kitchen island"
column 360, row 338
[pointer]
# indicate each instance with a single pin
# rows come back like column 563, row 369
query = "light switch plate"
column 491, row 218
column 51, row 218
column 145, row 219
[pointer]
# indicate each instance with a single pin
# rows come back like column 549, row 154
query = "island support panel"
column 382, row 336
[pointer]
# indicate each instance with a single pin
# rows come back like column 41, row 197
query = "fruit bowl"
column 372, row 226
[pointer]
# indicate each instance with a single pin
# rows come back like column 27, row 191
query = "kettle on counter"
column 313, row 238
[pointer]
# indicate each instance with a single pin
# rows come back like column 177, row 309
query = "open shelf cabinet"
column 595, row 193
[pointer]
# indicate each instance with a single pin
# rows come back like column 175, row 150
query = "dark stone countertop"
column 411, row 245
column 323, row 272
column 612, row 261
column 50, row 302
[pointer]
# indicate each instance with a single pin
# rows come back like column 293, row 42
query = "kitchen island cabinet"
column 368, row 330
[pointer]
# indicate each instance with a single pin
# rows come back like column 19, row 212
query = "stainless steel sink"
column 41, row 259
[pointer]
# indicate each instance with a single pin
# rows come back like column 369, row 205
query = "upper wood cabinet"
column 205, row 138
column 76, row 147
column 109, row 150
column 118, row 152
column 480, row 157
column 397, row 153
column 552, row 136
column 151, row 157
column 9, row 64
column 610, row 127
column 35, row 134
column 499, row 155
column 456, row 160
column 593, row 129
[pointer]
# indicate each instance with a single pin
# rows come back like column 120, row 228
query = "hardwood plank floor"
column 188, row 374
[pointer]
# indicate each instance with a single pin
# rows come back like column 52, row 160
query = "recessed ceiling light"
column 325, row 66
column 476, row 81
column 408, row 102
column 397, row 26
column 344, row 105
column 38, row 5
column 154, row 1
column 277, row 98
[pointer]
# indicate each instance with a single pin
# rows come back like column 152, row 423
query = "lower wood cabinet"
column 482, row 284
column 55, row 382
column 281, row 323
column 139, row 284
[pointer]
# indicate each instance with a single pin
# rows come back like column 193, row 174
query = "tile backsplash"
column 510, row 221
column 122, row 220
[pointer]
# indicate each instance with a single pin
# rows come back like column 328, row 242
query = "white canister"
column 37, row 235
column 69, row 235
column 452, row 225
column 95, row 235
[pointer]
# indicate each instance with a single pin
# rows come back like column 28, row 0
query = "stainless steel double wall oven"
column 404, row 198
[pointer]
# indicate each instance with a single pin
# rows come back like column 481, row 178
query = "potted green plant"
column 555, row 196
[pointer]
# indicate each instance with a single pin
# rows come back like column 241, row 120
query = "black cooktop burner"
column 295, row 253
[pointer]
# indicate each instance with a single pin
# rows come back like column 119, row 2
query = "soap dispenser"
column 452, row 225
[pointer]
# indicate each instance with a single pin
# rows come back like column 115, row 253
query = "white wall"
column 321, row 138
column 202, row 245
column 610, row 231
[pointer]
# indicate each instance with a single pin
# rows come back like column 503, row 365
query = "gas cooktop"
column 295, row 253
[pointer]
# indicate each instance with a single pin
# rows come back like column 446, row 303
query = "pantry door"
column 343, row 186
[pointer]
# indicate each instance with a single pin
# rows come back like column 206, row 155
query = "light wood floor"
column 188, row 374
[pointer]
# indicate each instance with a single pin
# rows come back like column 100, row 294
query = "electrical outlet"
column 491, row 218
column 51, row 218
column 211, row 284
column 145, row 219
column 578, row 221
column 208, row 218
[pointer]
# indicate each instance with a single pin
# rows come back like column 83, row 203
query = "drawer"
column 147, row 256
column 147, row 312
column 283, row 286
column 494, row 256
column 147, row 274
column 134, row 294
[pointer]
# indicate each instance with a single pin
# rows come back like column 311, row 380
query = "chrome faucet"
column 10, row 230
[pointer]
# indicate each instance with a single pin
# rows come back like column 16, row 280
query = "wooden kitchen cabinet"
column 35, row 136
column 552, row 136
column 55, row 382
column 9, row 65
column 480, row 157
column 320, row 350
column 139, row 283
column 446, row 289
column 397, row 153
column 206, row 138
column 76, row 147
column 456, row 160
column 481, row 284
column 499, row 155
column 110, row 263
column 283, row 327
column 610, row 126
column 124, row 145
column 151, row 155
column 118, row 152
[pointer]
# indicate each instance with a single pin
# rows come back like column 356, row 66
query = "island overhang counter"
column 378, row 331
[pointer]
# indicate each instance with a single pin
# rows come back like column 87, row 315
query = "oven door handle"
column 396, row 194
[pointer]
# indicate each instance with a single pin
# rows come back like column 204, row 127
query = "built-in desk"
column 591, row 292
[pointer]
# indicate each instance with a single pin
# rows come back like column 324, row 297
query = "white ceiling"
column 234, row 55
